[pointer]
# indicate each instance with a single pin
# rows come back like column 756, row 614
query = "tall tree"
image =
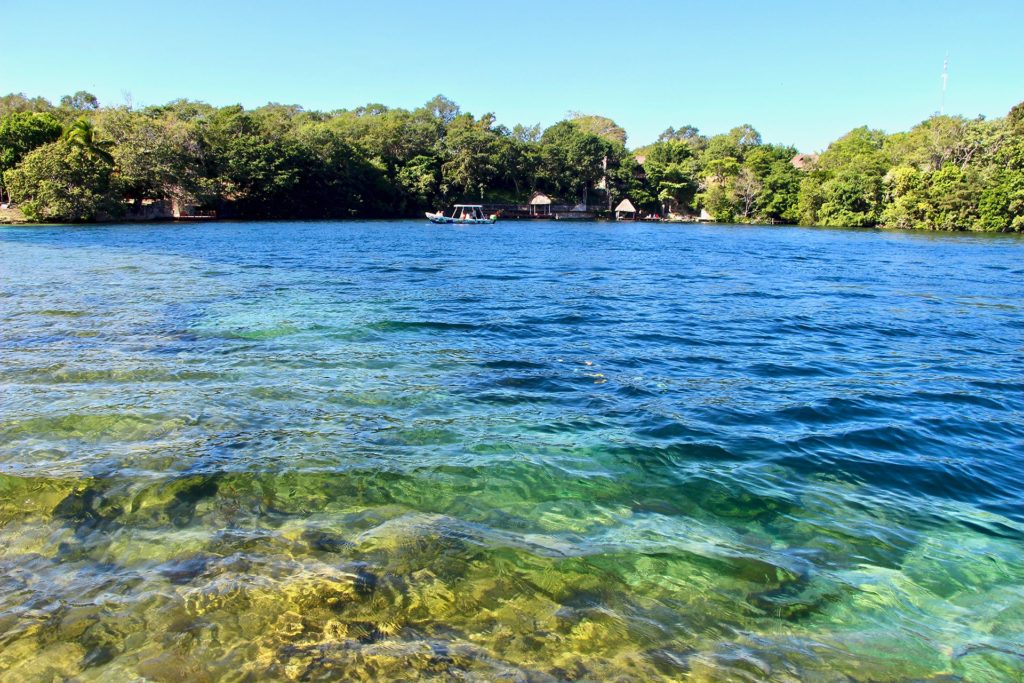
column 61, row 181
column 601, row 126
column 20, row 133
column 572, row 160
column 18, row 102
column 80, row 101
column 158, row 156
column 82, row 134
column 471, row 151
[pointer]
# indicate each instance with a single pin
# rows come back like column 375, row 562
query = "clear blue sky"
column 801, row 72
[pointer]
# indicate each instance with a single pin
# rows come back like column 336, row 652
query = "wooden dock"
column 557, row 212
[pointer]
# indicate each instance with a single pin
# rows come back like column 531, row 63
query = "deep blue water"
column 557, row 452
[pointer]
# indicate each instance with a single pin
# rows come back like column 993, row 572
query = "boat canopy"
column 464, row 214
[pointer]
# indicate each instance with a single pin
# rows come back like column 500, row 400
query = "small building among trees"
column 625, row 211
column 804, row 162
column 540, row 204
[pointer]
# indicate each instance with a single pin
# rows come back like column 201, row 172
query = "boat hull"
column 447, row 220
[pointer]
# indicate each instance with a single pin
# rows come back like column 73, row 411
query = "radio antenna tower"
column 945, row 83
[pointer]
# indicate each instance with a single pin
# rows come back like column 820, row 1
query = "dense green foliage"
column 62, row 181
column 20, row 133
column 80, row 161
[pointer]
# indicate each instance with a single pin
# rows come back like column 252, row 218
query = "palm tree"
column 82, row 133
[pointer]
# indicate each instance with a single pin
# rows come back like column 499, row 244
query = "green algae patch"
column 120, row 375
column 264, row 334
column 59, row 313
column 91, row 427
column 33, row 496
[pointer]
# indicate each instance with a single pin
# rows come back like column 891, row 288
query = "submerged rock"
column 89, row 507
column 326, row 542
column 105, row 638
column 186, row 570
column 173, row 667
column 798, row 599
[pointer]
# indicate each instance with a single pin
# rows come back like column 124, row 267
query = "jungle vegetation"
column 78, row 161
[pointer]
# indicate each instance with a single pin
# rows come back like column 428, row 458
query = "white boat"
column 464, row 214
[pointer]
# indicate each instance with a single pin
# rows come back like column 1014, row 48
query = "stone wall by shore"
column 11, row 216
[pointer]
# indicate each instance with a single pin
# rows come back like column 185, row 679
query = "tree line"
column 77, row 161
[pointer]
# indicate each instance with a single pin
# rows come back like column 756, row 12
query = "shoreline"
column 235, row 221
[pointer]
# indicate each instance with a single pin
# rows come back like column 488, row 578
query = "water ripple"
column 312, row 451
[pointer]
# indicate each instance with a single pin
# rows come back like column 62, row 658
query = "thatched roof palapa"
column 625, row 206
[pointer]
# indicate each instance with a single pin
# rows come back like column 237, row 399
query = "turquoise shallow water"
column 529, row 451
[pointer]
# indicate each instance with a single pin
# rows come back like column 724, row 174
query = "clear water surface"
column 529, row 451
